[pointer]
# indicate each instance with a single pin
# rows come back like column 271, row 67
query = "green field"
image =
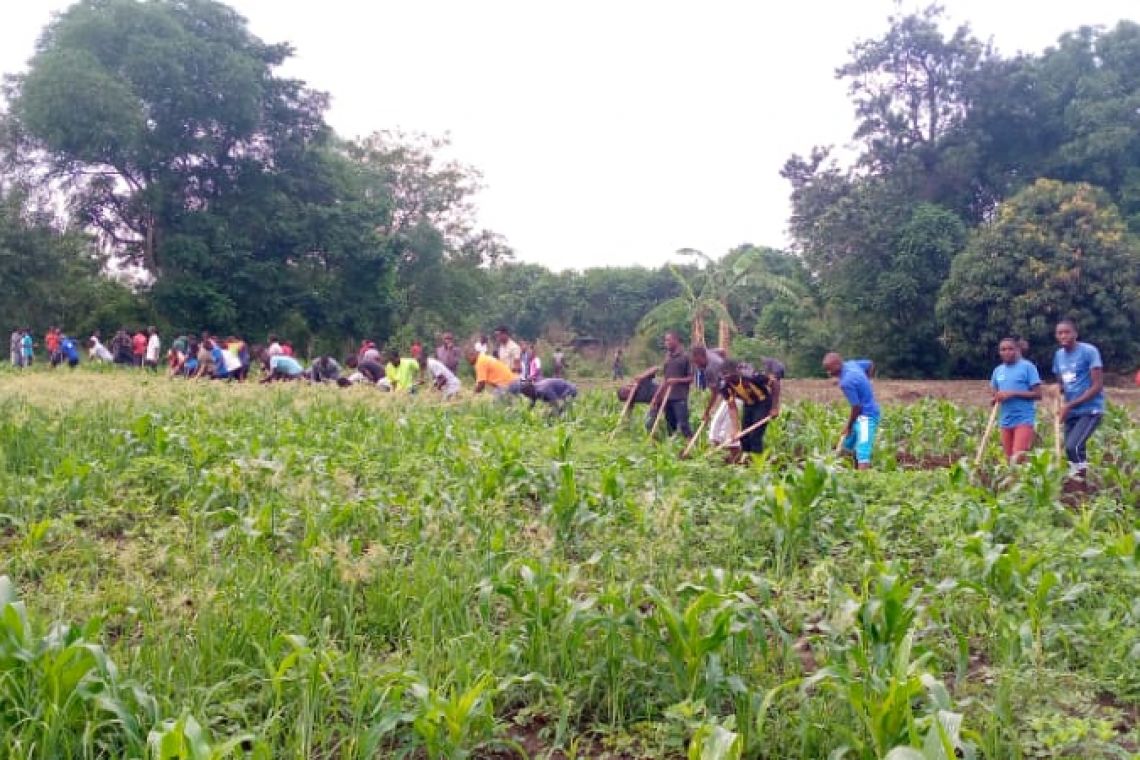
column 204, row 570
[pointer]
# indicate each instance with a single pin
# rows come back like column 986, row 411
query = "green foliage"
column 1054, row 250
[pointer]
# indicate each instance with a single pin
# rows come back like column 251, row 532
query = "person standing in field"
column 482, row 345
column 1079, row 370
column 153, row 349
column 28, row 347
column 138, row 348
column 854, row 378
column 1016, row 386
column 674, row 392
column 507, row 351
column 559, row 363
column 749, row 399
column 448, row 354
column 15, row 348
column 490, row 371
column 619, row 365
column 51, row 344
column 443, row 378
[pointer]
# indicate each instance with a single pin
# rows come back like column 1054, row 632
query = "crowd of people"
column 743, row 399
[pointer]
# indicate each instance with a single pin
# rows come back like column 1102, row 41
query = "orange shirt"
column 491, row 371
column 51, row 340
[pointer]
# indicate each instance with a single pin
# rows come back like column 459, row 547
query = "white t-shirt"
column 100, row 352
column 438, row 369
column 275, row 350
column 153, row 347
column 232, row 361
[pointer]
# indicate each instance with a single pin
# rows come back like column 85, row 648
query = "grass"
column 206, row 570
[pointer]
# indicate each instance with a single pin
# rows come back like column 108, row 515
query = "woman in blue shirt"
column 1081, row 374
column 1017, row 387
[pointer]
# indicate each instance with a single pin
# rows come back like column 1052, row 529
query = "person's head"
column 672, row 341
column 394, row 357
column 448, row 339
column 471, row 355
column 833, row 364
column 623, row 393
column 343, row 382
column 152, row 330
column 1010, row 350
column 700, row 356
column 731, row 370
column 272, row 338
column 502, row 334
column 350, row 362
column 1067, row 334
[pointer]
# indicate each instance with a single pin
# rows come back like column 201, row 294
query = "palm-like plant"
column 708, row 293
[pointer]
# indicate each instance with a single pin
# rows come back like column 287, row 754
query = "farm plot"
column 197, row 570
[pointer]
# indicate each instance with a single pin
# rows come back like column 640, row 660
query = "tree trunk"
column 698, row 336
column 723, row 335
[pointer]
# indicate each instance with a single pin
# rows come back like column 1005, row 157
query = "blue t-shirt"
column 1020, row 376
column 219, row 362
column 67, row 345
column 856, row 386
column 26, row 344
column 286, row 365
column 1074, row 370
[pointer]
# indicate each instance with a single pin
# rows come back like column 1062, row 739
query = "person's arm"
column 638, row 379
column 1097, row 386
column 1033, row 394
column 856, row 410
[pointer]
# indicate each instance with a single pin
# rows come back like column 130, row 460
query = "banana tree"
column 709, row 291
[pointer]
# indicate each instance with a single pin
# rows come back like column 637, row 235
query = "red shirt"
column 51, row 340
column 139, row 343
column 287, row 349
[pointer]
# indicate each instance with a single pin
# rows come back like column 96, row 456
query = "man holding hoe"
column 674, row 392
column 854, row 379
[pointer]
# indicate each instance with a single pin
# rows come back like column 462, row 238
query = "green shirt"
column 403, row 377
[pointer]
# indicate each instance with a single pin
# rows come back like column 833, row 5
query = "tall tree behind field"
column 1054, row 250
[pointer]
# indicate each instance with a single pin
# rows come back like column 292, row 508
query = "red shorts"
column 1016, row 440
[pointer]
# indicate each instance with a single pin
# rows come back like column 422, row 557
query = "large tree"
column 1054, row 250
column 148, row 109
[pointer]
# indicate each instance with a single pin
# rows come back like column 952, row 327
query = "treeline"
column 203, row 190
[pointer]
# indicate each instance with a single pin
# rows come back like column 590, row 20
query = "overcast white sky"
column 608, row 131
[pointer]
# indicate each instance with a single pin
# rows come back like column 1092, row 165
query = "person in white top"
column 153, row 349
column 274, row 347
column 443, row 379
column 98, row 351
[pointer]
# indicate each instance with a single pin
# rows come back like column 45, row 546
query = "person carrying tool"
column 1079, row 369
column 754, row 391
column 854, row 379
column 1016, row 387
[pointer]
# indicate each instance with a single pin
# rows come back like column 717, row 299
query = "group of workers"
column 743, row 399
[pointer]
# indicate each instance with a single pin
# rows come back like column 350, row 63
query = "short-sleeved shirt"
column 438, row 369
column 510, row 354
column 231, row 360
column 752, row 389
column 856, row 386
column 51, row 342
column 218, row 359
column 491, row 371
column 67, row 345
column 403, row 377
column 28, row 345
column 449, row 357
column 274, row 350
column 678, row 365
column 1020, row 376
column 153, row 347
column 1074, row 370
column 286, row 365
column 555, row 389
column 138, row 343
